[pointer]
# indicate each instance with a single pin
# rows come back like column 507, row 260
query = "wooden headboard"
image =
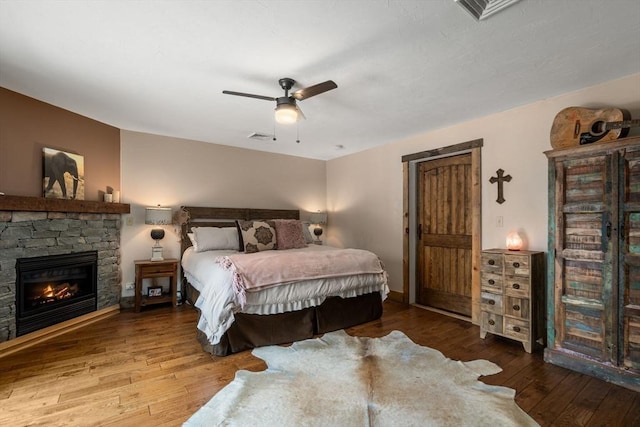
column 198, row 216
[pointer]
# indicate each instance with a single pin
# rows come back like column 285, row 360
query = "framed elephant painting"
column 62, row 175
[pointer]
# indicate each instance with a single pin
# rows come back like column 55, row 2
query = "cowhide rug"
column 340, row 380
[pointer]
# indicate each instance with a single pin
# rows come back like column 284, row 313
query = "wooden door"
column 629, row 291
column 445, row 234
column 585, row 214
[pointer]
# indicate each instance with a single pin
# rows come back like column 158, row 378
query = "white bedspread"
column 218, row 301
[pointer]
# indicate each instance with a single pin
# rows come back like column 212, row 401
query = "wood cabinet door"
column 583, row 254
column 445, row 234
column 629, row 253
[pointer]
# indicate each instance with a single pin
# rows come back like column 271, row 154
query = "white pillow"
column 215, row 238
column 192, row 237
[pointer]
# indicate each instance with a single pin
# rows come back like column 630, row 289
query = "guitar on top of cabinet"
column 576, row 126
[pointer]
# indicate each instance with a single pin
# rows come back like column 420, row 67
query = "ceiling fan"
column 287, row 110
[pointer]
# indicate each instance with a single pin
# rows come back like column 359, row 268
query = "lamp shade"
column 286, row 114
column 157, row 215
column 318, row 218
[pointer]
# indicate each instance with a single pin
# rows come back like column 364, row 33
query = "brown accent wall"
column 27, row 125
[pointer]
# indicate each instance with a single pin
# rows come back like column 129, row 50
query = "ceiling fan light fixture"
column 286, row 113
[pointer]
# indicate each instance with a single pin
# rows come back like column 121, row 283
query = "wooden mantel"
column 41, row 204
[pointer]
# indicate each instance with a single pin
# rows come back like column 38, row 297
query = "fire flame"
column 48, row 292
column 51, row 293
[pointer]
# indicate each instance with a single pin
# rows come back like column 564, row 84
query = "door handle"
column 419, row 231
column 605, row 232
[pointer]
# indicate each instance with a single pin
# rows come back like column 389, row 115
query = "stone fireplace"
column 32, row 228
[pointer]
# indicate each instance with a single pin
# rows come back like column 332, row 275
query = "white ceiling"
column 402, row 67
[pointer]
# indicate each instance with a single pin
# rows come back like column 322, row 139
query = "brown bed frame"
column 254, row 330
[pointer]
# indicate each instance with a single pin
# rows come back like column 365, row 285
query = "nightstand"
column 146, row 269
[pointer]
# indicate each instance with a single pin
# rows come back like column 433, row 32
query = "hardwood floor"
column 147, row 369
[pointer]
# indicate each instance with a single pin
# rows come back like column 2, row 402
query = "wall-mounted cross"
column 500, row 180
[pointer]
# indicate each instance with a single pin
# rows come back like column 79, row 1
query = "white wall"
column 364, row 190
column 177, row 172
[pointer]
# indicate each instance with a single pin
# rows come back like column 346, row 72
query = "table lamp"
column 318, row 218
column 157, row 216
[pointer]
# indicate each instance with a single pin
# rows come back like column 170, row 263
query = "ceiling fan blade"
column 314, row 90
column 249, row 95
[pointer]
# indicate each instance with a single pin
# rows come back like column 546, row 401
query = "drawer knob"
column 516, row 307
column 491, row 302
column 516, row 329
column 492, row 282
column 516, row 264
column 516, row 286
column 492, row 322
column 491, row 262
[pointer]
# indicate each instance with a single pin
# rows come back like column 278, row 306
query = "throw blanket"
column 252, row 272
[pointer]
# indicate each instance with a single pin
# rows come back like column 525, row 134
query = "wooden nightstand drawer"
column 517, row 286
column 159, row 268
column 516, row 307
column 491, row 282
column 491, row 302
column 518, row 329
column 491, row 322
column 492, row 263
column 517, row 265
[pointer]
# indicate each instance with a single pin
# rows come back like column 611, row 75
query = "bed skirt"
column 254, row 330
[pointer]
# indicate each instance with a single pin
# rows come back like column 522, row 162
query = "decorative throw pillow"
column 289, row 234
column 258, row 235
column 214, row 238
column 306, row 232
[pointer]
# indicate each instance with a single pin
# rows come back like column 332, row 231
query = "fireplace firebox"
column 52, row 289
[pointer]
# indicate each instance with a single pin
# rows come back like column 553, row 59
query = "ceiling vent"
column 482, row 9
column 261, row 136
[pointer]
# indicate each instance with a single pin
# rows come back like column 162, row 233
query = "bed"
column 238, row 311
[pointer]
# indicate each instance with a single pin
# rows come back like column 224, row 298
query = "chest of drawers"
column 512, row 295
